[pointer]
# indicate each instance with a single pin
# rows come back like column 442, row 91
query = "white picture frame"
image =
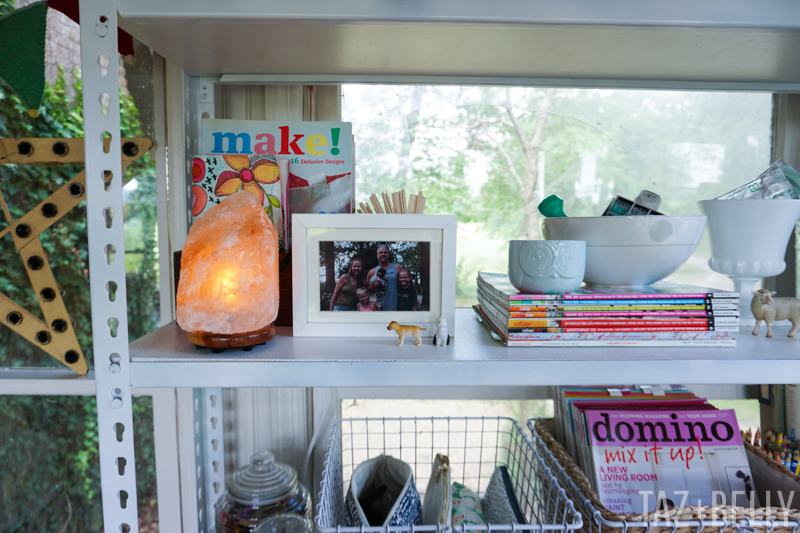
column 308, row 230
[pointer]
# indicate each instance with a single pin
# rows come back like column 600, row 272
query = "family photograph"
column 374, row 276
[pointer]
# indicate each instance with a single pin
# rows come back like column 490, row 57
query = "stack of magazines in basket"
column 662, row 314
column 647, row 449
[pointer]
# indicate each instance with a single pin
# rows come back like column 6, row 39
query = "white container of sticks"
column 396, row 203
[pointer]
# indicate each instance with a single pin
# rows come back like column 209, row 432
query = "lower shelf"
column 166, row 358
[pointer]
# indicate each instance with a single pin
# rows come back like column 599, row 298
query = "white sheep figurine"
column 768, row 309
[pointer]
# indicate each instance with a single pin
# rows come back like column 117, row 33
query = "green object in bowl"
column 552, row 206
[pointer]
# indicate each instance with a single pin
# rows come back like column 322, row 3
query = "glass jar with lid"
column 285, row 523
column 261, row 489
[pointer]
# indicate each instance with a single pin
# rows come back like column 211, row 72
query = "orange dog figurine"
column 402, row 331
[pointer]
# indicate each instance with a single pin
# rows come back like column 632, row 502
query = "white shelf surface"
column 166, row 358
column 614, row 43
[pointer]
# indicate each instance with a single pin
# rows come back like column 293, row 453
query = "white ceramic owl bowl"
column 546, row 267
column 630, row 251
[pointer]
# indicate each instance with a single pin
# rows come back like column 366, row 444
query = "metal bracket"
column 206, row 89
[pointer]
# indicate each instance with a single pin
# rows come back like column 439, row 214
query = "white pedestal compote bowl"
column 748, row 242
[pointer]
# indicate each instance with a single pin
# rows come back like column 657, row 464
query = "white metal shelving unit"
column 680, row 44
column 684, row 44
column 165, row 358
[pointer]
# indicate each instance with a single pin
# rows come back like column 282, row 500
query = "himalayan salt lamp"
column 228, row 289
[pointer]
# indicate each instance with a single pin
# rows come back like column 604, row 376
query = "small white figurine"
column 768, row 309
column 442, row 337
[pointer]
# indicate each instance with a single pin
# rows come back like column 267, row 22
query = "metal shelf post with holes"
column 98, row 22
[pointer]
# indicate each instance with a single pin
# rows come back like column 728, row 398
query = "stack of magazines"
column 648, row 449
column 662, row 314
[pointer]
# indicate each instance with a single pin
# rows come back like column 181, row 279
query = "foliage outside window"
column 49, row 466
column 491, row 154
column 49, row 469
column 25, row 186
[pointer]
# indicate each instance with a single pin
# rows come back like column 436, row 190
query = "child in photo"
column 406, row 293
column 364, row 303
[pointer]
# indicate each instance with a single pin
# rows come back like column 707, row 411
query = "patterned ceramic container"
column 546, row 267
column 406, row 508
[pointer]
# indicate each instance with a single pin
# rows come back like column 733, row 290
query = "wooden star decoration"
column 55, row 335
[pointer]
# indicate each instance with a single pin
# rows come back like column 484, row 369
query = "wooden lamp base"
column 219, row 342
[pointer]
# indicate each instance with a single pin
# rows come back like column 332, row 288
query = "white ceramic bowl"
column 629, row 251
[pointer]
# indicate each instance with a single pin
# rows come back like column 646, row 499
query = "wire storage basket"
column 697, row 519
column 475, row 447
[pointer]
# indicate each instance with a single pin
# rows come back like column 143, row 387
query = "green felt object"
column 22, row 34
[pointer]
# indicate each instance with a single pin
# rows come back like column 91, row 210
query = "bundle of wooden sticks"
column 396, row 203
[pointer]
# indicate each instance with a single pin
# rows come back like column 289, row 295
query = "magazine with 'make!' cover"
column 646, row 461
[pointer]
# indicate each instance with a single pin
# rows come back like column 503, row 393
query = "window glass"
column 519, row 410
column 491, row 154
column 49, row 465
column 65, row 243
column 139, row 200
column 49, row 469
column 748, row 412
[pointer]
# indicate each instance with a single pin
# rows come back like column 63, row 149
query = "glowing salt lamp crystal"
column 228, row 289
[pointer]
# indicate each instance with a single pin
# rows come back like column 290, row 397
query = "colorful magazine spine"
column 617, row 309
column 589, row 314
column 730, row 343
column 505, row 307
column 566, row 397
column 611, row 322
column 649, row 303
column 565, row 297
column 555, row 303
column 616, row 339
column 600, row 306
column 617, row 299
column 624, row 308
column 588, row 329
column 623, row 335
column 648, row 296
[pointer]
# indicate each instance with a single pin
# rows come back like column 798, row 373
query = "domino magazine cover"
column 646, row 461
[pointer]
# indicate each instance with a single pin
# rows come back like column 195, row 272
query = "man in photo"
column 382, row 280
column 406, row 293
